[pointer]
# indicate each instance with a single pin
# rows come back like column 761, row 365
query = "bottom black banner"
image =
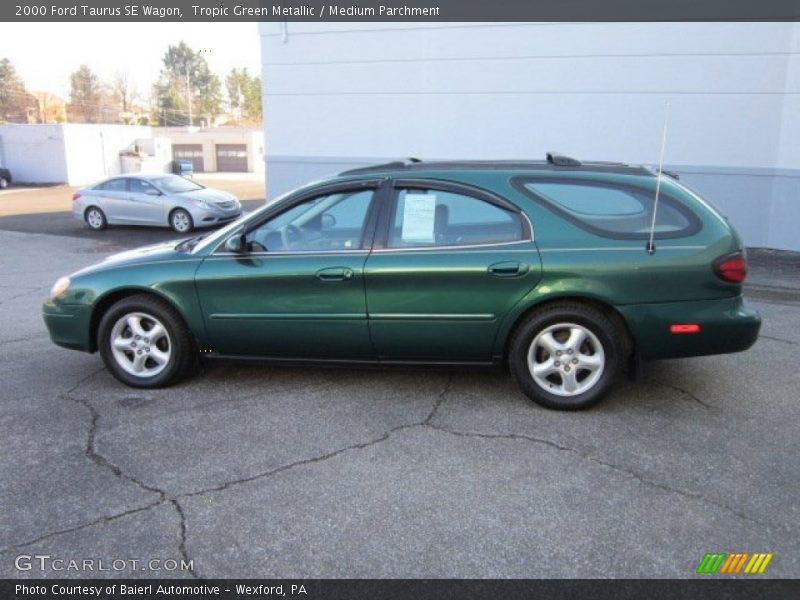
column 387, row 589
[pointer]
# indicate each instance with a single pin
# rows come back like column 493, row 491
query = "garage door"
column 192, row 152
column 232, row 157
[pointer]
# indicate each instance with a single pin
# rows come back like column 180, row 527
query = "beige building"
column 232, row 149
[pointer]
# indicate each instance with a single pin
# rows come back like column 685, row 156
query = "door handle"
column 508, row 269
column 335, row 274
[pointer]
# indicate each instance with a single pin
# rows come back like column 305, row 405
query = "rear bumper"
column 726, row 325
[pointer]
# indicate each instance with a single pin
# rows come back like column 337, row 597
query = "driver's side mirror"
column 152, row 192
column 236, row 244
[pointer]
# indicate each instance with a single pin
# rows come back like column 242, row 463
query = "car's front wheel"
column 95, row 218
column 566, row 356
column 144, row 342
column 3, row 183
column 181, row 221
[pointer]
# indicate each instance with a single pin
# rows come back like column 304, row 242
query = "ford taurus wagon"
column 547, row 267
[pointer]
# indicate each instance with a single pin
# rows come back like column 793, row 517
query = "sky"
column 44, row 54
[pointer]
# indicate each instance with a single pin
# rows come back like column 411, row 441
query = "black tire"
column 181, row 344
column 181, row 213
column 585, row 316
column 95, row 218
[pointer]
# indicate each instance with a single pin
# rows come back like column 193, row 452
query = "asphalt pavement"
column 254, row 471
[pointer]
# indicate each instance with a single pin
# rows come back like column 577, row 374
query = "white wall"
column 341, row 94
column 33, row 153
column 92, row 151
column 67, row 153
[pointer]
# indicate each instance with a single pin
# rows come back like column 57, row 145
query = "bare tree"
column 124, row 91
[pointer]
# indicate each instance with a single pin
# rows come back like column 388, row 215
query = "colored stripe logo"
column 736, row 562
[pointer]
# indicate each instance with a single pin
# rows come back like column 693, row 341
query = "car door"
column 449, row 262
column 146, row 202
column 298, row 289
column 114, row 200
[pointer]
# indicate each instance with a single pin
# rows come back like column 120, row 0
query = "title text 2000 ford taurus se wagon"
column 544, row 265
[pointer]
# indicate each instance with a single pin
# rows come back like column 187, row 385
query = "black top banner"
column 401, row 10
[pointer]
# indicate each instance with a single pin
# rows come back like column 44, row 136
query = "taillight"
column 731, row 267
column 75, row 197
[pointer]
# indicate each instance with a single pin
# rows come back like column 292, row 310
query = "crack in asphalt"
column 98, row 459
column 598, row 461
column 27, row 292
column 427, row 422
column 686, row 393
column 777, row 339
column 182, row 544
column 99, row 520
column 440, row 398
column 18, row 340
column 306, row 461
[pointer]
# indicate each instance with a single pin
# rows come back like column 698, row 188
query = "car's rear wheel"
column 144, row 342
column 95, row 218
column 3, row 183
column 181, row 221
column 566, row 356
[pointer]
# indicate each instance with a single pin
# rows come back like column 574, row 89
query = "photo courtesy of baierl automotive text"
column 399, row 300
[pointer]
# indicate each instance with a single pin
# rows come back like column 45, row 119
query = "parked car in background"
column 545, row 266
column 158, row 199
column 5, row 178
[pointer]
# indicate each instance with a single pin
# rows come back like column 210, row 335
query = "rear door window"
column 616, row 211
column 431, row 217
column 114, row 185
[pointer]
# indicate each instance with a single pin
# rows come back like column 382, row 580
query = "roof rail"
column 395, row 164
column 560, row 160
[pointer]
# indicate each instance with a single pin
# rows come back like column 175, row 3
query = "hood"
column 151, row 253
column 211, row 196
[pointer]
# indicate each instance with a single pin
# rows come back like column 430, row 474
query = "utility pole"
column 189, row 93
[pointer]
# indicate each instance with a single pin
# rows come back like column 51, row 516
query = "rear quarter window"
column 615, row 211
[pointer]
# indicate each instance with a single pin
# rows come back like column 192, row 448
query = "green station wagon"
column 557, row 268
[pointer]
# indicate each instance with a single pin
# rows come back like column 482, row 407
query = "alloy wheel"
column 566, row 359
column 95, row 219
column 140, row 344
column 181, row 221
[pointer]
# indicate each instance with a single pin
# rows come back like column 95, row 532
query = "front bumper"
column 68, row 325
column 726, row 325
column 206, row 217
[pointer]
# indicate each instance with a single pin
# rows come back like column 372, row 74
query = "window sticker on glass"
column 419, row 211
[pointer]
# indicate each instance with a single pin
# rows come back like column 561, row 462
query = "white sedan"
column 157, row 199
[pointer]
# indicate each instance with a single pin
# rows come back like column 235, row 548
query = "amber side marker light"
column 684, row 328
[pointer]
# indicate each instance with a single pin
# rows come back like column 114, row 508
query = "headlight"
column 59, row 287
column 200, row 202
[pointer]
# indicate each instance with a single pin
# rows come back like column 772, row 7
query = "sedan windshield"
column 172, row 184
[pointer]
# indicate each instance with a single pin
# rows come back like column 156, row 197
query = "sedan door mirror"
column 236, row 244
column 151, row 191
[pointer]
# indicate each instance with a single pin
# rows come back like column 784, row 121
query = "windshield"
column 172, row 184
column 220, row 234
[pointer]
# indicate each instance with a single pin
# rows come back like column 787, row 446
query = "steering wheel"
column 290, row 235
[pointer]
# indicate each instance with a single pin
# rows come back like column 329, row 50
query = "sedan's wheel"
column 566, row 356
column 181, row 221
column 144, row 342
column 3, row 183
column 95, row 218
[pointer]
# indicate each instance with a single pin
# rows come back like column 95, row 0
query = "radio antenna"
column 651, row 246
